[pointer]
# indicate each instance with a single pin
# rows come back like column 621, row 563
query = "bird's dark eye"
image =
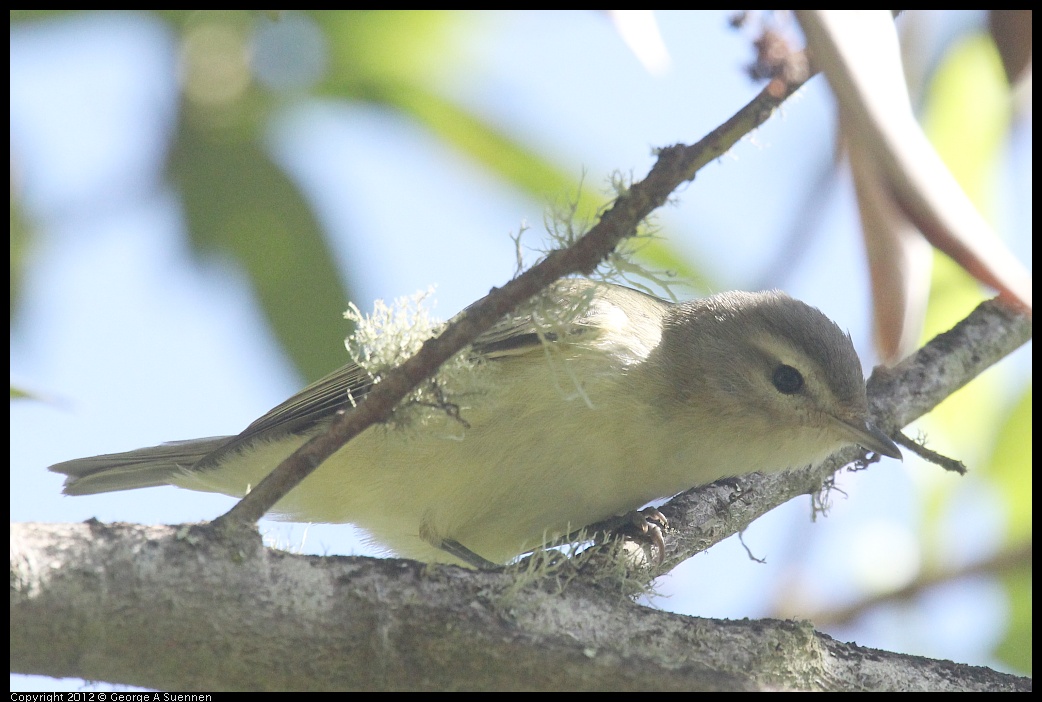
column 787, row 380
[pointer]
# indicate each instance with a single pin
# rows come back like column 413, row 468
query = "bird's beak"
column 867, row 436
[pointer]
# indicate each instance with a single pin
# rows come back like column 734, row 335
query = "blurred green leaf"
column 1010, row 468
column 19, row 250
column 967, row 119
column 239, row 204
column 1015, row 648
column 395, row 58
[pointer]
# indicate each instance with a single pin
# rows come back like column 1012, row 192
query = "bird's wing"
column 573, row 312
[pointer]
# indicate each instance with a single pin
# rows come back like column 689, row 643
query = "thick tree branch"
column 153, row 606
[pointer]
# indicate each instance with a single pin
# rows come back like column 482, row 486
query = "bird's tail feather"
column 146, row 467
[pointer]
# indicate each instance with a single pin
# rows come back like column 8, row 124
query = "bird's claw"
column 646, row 526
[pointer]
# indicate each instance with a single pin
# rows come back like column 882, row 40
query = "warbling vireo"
column 659, row 397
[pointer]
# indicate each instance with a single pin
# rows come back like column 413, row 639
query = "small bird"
column 624, row 399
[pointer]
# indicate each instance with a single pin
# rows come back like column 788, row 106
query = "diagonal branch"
column 675, row 165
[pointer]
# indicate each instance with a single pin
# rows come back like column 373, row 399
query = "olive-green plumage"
column 638, row 399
